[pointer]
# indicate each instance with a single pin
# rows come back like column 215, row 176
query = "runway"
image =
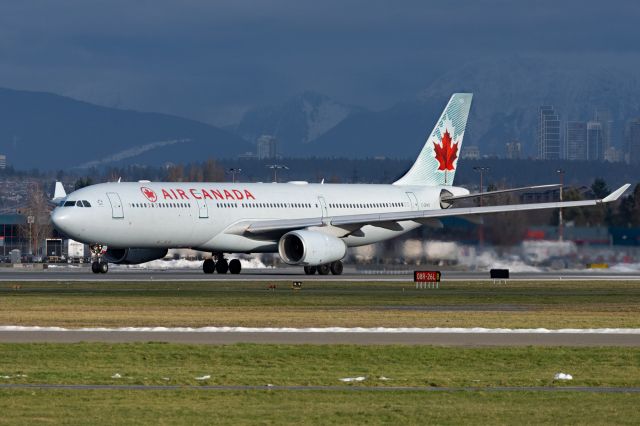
column 223, row 336
column 288, row 274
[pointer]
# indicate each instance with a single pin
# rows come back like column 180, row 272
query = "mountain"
column 507, row 95
column 296, row 123
column 47, row 131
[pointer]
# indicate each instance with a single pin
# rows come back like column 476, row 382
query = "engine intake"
column 134, row 256
column 310, row 248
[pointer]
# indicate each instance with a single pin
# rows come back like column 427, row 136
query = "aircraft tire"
column 103, row 267
column 95, row 268
column 222, row 266
column 324, row 269
column 337, row 267
column 235, row 266
column 310, row 270
column 208, row 266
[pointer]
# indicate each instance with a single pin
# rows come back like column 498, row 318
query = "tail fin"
column 437, row 162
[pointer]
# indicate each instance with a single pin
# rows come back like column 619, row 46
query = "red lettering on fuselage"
column 199, row 194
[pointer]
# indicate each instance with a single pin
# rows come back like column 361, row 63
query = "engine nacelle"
column 133, row 256
column 310, row 248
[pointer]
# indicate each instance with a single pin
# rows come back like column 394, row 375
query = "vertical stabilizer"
column 438, row 160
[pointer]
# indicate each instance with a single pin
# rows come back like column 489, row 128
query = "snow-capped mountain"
column 507, row 95
column 295, row 123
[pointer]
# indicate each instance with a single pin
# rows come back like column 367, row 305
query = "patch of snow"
column 383, row 378
column 353, row 379
column 562, row 376
column 205, row 377
column 161, row 264
column 116, row 376
column 473, row 330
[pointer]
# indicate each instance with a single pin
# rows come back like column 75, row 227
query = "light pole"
column 275, row 168
column 481, row 170
column 233, row 172
column 560, row 223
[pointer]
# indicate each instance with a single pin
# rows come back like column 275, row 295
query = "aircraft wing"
column 383, row 219
column 453, row 198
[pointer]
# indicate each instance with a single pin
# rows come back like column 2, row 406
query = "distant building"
column 633, row 141
column 3, row 162
column 595, row 142
column 604, row 118
column 267, row 147
column 514, row 150
column 576, row 141
column 548, row 133
column 613, row 155
column 470, row 152
column 248, row 156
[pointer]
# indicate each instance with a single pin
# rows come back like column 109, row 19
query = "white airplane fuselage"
column 198, row 215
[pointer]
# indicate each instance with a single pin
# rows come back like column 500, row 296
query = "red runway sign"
column 426, row 276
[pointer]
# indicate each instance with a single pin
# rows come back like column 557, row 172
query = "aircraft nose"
column 60, row 219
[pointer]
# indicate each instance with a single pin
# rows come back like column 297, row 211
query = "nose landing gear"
column 98, row 266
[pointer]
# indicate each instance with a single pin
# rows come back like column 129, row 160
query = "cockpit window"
column 69, row 203
column 79, row 203
column 86, row 203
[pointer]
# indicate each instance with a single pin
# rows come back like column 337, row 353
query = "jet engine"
column 133, row 256
column 310, row 248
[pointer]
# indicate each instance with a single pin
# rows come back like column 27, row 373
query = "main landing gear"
column 334, row 267
column 220, row 265
column 98, row 266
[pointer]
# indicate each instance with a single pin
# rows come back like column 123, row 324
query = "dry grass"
column 518, row 305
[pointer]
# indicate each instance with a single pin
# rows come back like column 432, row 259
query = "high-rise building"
column 267, row 147
column 470, row 152
column 3, row 162
column 604, row 117
column 633, row 141
column 548, row 133
column 514, row 150
column 595, row 143
column 576, row 141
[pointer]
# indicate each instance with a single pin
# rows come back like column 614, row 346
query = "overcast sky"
column 212, row 60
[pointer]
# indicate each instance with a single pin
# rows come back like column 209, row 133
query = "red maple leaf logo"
column 446, row 153
column 151, row 196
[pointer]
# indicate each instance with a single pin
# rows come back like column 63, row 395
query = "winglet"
column 616, row 194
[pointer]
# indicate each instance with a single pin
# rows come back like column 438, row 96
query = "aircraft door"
column 116, row 205
column 413, row 200
column 323, row 206
column 203, row 210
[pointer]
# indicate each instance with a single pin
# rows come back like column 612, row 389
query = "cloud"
column 212, row 60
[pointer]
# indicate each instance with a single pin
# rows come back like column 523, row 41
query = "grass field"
column 283, row 407
column 519, row 304
column 255, row 364
column 154, row 363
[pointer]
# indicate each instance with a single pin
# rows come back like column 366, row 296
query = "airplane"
column 310, row 225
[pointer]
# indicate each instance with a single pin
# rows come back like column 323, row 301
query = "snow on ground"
column 161, row 264
column 475, row 330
